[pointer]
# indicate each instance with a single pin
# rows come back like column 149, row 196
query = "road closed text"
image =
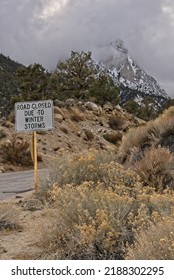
column 36, row 115
column 34, row 105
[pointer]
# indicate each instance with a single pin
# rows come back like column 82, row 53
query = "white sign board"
column 34, row 115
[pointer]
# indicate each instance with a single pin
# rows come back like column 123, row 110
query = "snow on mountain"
column 134, row 82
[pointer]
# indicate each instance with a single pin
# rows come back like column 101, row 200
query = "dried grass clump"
column 165, row 125
column 8, row 218
column 168, row 112
column 116, row 122
column 147, row 149
column 16, row 151
column 140, row 137
column 155, row 243
column 113, row 138
column 152, row 133
column 155, row 168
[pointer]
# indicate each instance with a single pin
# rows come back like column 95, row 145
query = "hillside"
column 8, row 83
column 78, row 127
column 104, row 199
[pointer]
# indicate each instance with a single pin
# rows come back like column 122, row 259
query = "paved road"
column 16, row 183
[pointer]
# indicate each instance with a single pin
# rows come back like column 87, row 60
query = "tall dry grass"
column 155, row 243
column 152, row 133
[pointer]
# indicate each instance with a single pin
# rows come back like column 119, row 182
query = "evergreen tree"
column 8, row 83
column 102, row 90
column 79, row 77
column 145, row 110
column 73, row 76
column 33, row 83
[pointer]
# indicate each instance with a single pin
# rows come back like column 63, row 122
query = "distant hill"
column 8, row 82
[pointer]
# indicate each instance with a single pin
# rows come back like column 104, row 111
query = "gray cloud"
column 36, row 31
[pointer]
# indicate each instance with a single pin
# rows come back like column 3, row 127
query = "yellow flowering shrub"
column 76, row 168
column 100, row 215
column 93, row 222
column 93, row 166
column 89, row 222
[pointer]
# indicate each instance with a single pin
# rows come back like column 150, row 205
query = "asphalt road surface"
column 16, row 183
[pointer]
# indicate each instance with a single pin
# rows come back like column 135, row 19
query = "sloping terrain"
column 77, row 127
column 107, row 209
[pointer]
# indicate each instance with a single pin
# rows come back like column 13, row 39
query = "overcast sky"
column 45, row 31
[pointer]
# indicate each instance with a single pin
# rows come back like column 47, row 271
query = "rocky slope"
column 78, row 127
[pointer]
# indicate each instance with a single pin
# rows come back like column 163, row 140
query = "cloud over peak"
column 45, row 31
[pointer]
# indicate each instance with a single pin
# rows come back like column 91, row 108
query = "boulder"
column 108, row 107
column 33, row 205
column 58, row 117
column 59, row 103
column 70, row 102
column 59, row 111
column 91, row 106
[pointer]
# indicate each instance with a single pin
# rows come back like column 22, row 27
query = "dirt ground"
column 20, row 229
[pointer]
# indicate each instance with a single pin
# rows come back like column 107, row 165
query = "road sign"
column 34, row 115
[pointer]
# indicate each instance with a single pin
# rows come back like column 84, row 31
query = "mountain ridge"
column 130, row 77
column 134, row 83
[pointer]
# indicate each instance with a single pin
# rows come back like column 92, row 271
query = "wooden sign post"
column 34, row 116
column 35, row 161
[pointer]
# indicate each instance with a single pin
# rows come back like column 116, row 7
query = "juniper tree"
column 33, row 83
column 80, row 77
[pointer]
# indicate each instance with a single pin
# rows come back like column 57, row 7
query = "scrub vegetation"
column 102, row 209
column 114, row 200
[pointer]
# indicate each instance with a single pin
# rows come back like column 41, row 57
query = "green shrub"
column 91, row 224
column 77, row 168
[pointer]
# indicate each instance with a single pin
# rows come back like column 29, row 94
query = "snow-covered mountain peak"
column 119, row 46
column 127, row 74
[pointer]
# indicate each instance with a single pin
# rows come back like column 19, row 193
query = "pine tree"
column 73, row 76
column 33, row 83
column 103, row 90
column 79, row 77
